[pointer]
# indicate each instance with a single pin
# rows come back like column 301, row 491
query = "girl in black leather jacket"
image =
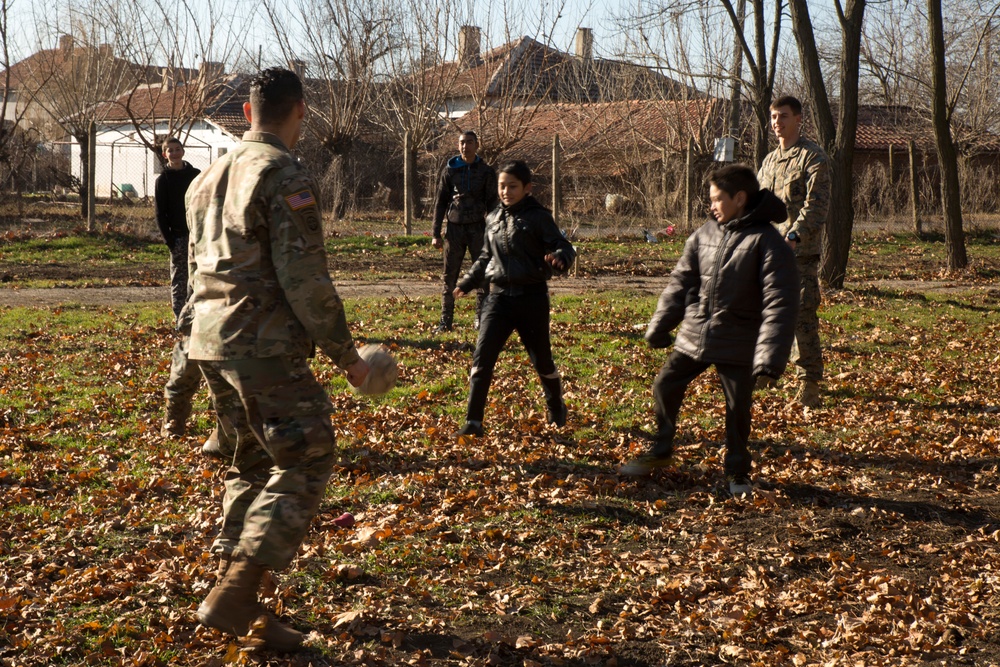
column 523, row 246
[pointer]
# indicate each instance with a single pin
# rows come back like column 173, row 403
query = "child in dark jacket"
column 522, row 247
column 735, row 294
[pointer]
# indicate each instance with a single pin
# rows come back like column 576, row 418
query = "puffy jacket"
column 735, row 293
column 466, row 193
column 513, row 256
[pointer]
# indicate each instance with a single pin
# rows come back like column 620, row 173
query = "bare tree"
column 947, row 155
column 412, row 103
column 12, row 134
column 762, row 65
column 838, row 138
column 507, row 82
column 162, row 97
column 340, row 49
column 65, row 85
column 721, row 28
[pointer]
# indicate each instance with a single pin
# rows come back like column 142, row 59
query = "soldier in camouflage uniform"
column 798, row 171
column 262, row 298
column 467, row 191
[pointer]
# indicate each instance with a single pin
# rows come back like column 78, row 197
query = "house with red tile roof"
column 527, row 71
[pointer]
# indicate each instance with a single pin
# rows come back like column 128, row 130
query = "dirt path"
column 111, row 296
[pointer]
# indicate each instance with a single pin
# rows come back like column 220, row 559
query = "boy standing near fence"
column 171, row 217
column 734, row 293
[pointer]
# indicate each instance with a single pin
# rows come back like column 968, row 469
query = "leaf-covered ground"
column 872, row 538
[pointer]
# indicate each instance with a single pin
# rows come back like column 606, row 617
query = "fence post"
column 663, row 179
column 556, row 179
column 91, row 176
column 914, row 189
column 407, row 186
column 689, row 185
column 892, row 179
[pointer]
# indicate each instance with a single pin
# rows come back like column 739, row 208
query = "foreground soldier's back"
column 262, row 299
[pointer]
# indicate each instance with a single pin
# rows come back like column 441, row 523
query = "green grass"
column 527, row 518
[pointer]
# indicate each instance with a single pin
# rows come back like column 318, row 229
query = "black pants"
column 528, row 314
column 460, row 240
column 737, row 384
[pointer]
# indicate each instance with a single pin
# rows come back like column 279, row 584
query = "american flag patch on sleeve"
column 300, row 199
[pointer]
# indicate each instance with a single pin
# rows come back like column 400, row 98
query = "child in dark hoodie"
column 522, row 247
column 735, row 293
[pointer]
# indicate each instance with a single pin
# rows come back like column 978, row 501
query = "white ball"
column 382, row 371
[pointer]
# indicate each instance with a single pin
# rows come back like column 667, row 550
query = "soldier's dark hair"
column 790, row 102
column 273, row 94
column 735, row 178
column 518, row 169
column 469, row 134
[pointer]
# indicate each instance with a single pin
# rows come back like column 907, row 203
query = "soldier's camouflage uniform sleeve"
column 816, row 202
column 299, row 260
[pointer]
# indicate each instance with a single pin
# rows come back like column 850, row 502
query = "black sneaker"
column 474, row 429
column 740, row 486
column 647, row 463
column 442, row 328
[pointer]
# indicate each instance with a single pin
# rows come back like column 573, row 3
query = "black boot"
column 447, row 313
column 556, row 412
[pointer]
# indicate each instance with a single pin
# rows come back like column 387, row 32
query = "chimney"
column 584, row 43
column 66, row 43
column 167, row 77
column 211, row 71
column 299, row 67
column 105, row 52
column 468, row 46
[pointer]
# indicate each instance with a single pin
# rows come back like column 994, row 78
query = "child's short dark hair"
column 518, row 169
column 790, row 102
column 735, row 178
column 469, row 134
column 273, row 93
column 170, row 140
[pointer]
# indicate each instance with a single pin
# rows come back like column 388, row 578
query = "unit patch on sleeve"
column 300, row 199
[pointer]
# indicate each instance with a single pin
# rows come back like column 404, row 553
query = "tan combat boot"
column 808, row 394
column 211, row 446
column 175, row 418
column 232, row 607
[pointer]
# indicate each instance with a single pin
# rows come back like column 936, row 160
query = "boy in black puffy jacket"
column 522, row 247
column 735, row 294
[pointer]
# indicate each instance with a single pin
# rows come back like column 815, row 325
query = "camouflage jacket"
column 258, row 274
column 800, row 176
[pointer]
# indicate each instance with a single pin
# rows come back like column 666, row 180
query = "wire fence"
column 653, row 205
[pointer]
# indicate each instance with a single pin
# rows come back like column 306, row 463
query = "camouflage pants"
column 178, row 275
column 278, row 415
column 185, row 377
column 807, row 351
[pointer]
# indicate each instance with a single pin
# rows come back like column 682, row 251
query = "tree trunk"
column 408, row 185
column 84, row 140
column 954, row 236
column 837, row 138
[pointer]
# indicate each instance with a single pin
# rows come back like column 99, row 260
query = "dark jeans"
column 459, row 240
column 528, row 314
column 737, row 384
